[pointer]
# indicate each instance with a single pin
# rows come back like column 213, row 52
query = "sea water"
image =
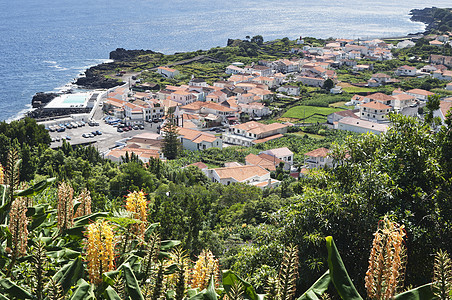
column 46, row 44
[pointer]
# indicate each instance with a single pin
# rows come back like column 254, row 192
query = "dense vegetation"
column 406, row 173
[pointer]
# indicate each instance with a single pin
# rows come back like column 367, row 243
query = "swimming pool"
column 75, row 98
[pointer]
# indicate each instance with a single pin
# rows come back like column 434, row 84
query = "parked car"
column 119, row 130
column 57, row 139
column 94, row 133
column 141, row 127
column 98, row 132
column 68, row 137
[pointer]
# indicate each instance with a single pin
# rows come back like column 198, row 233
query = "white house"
column 360, row 126
column 405, row 71
column 231, row 69
column 283, row 154
column 290, row 90
column 168, row 72
column 374, row 111
column 443, row 75
column 381, row 78
column 249, row 174
column 194, row 140
column 255, row 109
column 250, row 133
column 183, row 97
column 419, row 94
column 338, row 115
column 311, row 81
column 318, row 158
column 403, row 100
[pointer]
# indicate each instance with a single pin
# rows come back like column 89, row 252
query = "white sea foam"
column 20, row 114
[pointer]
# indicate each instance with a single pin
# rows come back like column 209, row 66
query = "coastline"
column 415, row 13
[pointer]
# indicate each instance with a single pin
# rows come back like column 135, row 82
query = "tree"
column 432, row 105
column 171, row 144
column 328, row 84
column 258, row 39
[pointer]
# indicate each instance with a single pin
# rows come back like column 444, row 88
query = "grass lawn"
column 308, row 112
column 351, row 89
column 314, row 136
column 338, row 104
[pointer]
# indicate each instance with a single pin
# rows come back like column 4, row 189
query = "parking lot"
column 102, row 142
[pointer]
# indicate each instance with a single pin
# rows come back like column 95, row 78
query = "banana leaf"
column 207, row 294
column 318, row 288
column 339, row 276
column 38, row 215
column 84, row 291
column 228, row 280
column 150, row 229
column 79, row 224
column 168, row 245
column 13, row 290
column 85, row 220
column 419, row 293
column 65, row 253
column 108, row 277
column 110, row 294
column 3, row 297
column 131, row 283
column 69, row 274
column 35, row 189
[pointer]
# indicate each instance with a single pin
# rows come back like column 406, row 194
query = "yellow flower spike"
column 136, row 204
column 387, row 261
column 17, row 225
column 99, row 250
column 65, row 206
column 204, row 267
column 85, row 204
column 2, row 174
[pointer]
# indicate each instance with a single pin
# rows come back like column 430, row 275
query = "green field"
column 308, row 112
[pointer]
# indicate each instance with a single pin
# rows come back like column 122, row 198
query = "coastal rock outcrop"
column 121, row 54
column 40, row 99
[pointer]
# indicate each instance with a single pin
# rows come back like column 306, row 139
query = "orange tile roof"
column 264, row 160
column 320, row 152
column 195, row 135
column 420, row 92
column 240, row 173
column 379, row 97
column 445, row 106
column 376, row 105
column 199, row 164
column 268, row 138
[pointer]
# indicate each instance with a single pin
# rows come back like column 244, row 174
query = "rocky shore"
column 435, row 18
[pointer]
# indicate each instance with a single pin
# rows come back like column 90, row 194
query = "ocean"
column 46, row 44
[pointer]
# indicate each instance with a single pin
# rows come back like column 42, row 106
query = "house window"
column 321, row 159
column 289, row 158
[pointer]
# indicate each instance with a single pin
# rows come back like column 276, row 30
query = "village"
column 242, row 108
